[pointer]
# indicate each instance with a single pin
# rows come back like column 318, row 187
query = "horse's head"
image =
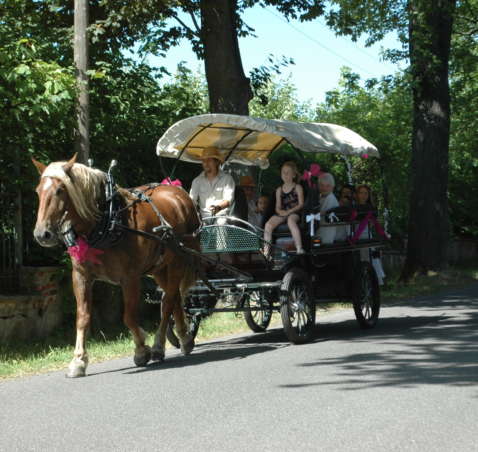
column 69, row 194
column 53, row 206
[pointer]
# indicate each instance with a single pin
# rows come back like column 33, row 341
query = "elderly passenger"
column 328, row 201
column 249, row 187
column 213, row 189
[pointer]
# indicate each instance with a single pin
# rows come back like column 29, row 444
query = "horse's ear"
column 67, row 166
column 40, row 166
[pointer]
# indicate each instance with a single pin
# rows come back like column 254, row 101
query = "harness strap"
column 143, row 197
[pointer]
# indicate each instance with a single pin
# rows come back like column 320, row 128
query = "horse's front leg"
column 82, row 288
column 131, row 297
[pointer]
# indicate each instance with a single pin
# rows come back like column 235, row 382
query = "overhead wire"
column 315, row 41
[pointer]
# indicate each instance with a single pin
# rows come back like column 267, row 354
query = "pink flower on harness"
column 82, row 252
column 168, row 181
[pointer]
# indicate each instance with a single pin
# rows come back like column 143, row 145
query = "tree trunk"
column 229, row 88
column 82, row 142
column 430, row 29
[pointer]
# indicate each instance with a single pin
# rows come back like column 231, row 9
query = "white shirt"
column 208, row 193
column 327, row 234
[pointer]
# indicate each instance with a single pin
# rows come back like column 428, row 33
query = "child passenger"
column 289, row 202
column 256, row 217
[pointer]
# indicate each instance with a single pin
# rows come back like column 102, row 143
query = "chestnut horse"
column 70, row 195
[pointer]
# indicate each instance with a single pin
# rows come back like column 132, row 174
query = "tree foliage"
column 131, row 104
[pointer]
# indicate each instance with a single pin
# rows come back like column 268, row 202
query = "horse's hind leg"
column 186, row 341
column 131, row 296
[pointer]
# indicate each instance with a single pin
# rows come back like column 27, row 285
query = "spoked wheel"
column 366, row 300
column 297, row 307
column 193, row 327
column 259, row 320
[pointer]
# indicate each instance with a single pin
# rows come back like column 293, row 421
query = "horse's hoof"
column 76, row 369
column 142, row 359
column 188, row 346
column 157, row 354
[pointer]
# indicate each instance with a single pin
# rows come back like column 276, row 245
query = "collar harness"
column 111, row 226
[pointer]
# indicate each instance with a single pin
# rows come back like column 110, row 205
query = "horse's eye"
column 59, row 191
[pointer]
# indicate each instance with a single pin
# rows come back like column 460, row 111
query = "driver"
column 213, row 189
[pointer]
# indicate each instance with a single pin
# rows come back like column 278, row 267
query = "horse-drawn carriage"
column 239, row 276
column 118, row 235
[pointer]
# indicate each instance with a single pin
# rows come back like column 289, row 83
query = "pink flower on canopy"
column 365, row 156
column 168, row 181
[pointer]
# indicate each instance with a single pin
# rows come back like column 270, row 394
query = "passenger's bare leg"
column 292, row 221
column 269, row 227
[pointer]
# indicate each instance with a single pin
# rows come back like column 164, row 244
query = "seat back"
column 239, row 208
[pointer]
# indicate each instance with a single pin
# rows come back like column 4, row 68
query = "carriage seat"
column 347, row 218
column 239, row 208
column 348, row 213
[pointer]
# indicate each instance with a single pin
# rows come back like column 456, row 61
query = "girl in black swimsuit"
column 289, row 202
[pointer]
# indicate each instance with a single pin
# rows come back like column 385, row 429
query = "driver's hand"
column 214, row 209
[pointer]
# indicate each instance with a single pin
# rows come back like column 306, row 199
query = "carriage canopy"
column 250, row 141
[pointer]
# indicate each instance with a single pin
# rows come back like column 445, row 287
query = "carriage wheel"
column 366, row 299
column 193, row 327
column 258, row 321
column 297, row 307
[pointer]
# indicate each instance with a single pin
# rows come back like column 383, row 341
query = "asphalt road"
column 411, row 384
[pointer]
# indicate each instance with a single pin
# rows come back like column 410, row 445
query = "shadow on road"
column 428, row 349
column 239, row 348
column 219, row 350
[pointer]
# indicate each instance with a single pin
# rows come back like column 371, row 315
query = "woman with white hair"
column 327, row 201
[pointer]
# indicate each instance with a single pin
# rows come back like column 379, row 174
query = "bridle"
column 105, row 233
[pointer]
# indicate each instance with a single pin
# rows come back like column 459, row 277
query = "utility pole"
column 82, row 142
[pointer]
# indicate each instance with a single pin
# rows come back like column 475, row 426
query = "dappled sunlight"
column 429, row 349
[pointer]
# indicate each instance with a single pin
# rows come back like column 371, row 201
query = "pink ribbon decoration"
column 363, row 224
column 82, row 252
column 168, row 181
column 313, row 171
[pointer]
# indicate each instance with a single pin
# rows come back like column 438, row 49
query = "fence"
column 459, row 251
column 9, row 239
column 8, row 269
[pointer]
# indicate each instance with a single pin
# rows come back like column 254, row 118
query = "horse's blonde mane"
column 85, row 187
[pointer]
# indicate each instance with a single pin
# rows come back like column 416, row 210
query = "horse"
column 71, row 196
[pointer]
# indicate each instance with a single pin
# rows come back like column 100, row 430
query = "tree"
column 429, row 43
column 229, row 89
column 425, row 27
column 463, row 187
column 131, row 108
column 213, row 32
column 81, row 46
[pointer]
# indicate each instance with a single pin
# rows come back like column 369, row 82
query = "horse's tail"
column 189, row 278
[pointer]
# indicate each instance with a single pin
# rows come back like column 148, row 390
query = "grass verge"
column 27, row 358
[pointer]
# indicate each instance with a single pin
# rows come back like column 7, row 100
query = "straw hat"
column 246, row 181
column 211, row 153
